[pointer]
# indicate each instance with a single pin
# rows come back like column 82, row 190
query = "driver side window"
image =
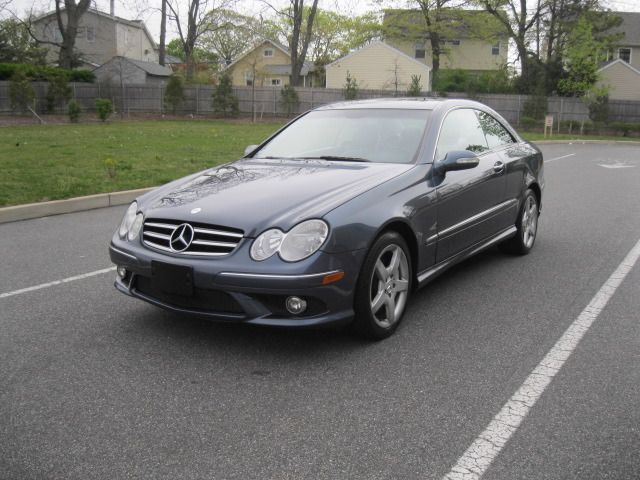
column 461, row 130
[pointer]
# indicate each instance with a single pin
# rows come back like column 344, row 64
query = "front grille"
column 203, row 300
column 208, row 240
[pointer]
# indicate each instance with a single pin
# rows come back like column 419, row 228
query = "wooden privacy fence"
column 267, row 101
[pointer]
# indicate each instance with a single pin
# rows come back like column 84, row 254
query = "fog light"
column 296, row 305
column 122, row 272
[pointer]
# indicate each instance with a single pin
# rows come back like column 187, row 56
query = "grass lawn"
column 51, row 162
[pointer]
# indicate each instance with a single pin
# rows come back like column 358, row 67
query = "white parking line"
column 476, row 460
column 57, row 282
column 560, row 158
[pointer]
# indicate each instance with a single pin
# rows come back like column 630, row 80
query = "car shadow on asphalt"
column 152, row 321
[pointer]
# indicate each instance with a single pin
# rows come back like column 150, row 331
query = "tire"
column 527, row 227
column 383, row 287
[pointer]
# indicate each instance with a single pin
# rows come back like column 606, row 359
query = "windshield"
column 374, row 135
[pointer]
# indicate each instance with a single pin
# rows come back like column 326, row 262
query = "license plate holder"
column 173, row 279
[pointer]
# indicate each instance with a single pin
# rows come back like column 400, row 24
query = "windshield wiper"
column 337, row 158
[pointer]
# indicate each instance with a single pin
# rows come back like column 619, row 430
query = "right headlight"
column 127, row 221
column 297, row 244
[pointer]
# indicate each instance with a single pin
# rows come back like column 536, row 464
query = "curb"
column 70, row 205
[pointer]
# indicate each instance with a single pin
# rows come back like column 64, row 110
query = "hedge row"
column 38, row 73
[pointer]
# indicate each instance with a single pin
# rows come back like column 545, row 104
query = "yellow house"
column 268, row 64
column 470, row 40
column 622, row 79
column 378, row 66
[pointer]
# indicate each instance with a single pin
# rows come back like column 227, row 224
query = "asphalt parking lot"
column 95, row 385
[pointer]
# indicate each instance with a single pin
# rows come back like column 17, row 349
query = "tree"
column 73, row 12
column 17, row 45
column 201, row 17
column 163, row 33
column 582, row 54
column 174, row 93
column 520, row 24
column 21, row 92
column 223, row 100
column 58, row 92
column 415, row 88
column 301, row 20
column 199, row 54
column 350, row 90
column 335, row 35
column 235, row 34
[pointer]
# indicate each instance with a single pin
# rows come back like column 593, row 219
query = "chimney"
column 113, row 8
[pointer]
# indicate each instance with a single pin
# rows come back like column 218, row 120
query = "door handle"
column 498, row 167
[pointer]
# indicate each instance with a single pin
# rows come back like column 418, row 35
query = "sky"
column 133, row 9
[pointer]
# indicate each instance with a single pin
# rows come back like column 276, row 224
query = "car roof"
column 408, row 103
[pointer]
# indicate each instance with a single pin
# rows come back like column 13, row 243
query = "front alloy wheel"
column 383, row 287
column 527, row 226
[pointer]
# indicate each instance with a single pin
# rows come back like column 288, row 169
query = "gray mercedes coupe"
column 338, row 217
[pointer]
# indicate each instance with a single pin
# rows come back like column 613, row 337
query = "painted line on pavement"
column 560, row 158
column 57, row 282
column 475, row 461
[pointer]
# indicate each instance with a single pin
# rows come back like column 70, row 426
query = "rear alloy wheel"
column 383, row 287
column 527, row 226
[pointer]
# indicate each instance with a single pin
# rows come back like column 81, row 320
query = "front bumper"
column 237, row 289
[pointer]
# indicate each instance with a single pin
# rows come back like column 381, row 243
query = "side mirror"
column 457, row 160
column 249, row 149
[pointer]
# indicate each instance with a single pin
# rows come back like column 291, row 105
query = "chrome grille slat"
column 158, row 235
column 160, row 225
column 214, row 244
column 217, row 232
column 214, row 241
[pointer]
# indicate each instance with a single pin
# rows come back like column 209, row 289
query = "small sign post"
column 548, row 123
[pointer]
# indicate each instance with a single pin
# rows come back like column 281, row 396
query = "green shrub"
column 415, row 89
column 599, row 108
column 174, row 93
column 289, row 99
column 223, row 100
column 58, row 92
column 41, row 73
column 529, row 123
column 21, row 92
column 74, row 110
column 625, row 128
column 351, row 87
column 104, row 108
column 535, row 106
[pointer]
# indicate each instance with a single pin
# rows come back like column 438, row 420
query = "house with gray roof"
column 622, row 73
column 267, row 64
column 128, row 71
column 101, row 36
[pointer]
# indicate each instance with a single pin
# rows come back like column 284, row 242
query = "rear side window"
column 496, row 134
column 461, row 130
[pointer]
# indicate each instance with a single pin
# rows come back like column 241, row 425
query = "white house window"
column 276, row 82
column 268, row 52
column 91, row 34
column 624, row 54
column 80, row 33
column 248, row 78
column 420, row 50
column 455, row 42
column 495, row 49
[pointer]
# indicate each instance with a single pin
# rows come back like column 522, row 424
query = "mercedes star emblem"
column 181, row 237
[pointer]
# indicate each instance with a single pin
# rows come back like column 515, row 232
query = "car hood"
column 256, row 194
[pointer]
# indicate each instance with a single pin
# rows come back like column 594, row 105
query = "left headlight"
column 131, row 223
column 297, row 244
